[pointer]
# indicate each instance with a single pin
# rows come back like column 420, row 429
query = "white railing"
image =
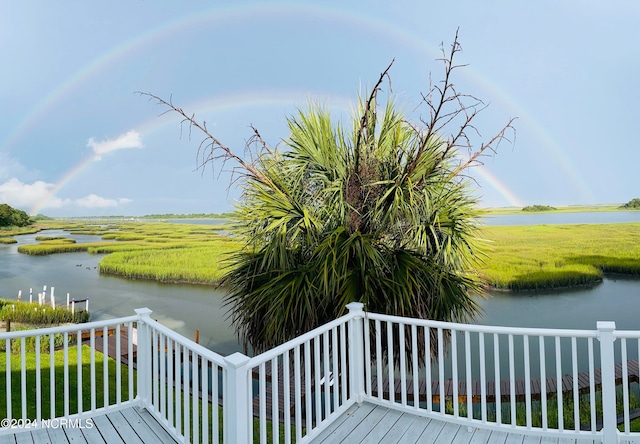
column 511, row 379
column 541, row 374
column 57, row 372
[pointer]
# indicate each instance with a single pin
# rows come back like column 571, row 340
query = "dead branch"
column 210, row 149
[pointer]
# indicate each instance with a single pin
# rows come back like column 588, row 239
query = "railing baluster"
column 215, row 396
column 327, row 374
column 178, row 386
column 163, row 383
column 130, row 359
column 559, row 384
column 625, row 384
column 92, row 367
column 186, row 377
column 38, row 381
column 316, row 378
column 468, row 375
column 592, row 386
column 403, row 366
column 171, row 357
column 79, row 371
column 527, row 380
column 543, row 383
column 286, row 388
column 512, row 383
column 427, row 368
column 307, row 385
column 8, row 378
column 195, row 395
column 298, row 391
column 483, row 379
column 23, row 375
column 441, row 369
column 336, row 369
column 574, row 377
column 275, row 404
column 390, row 362
column 343, row 360
column 105, row 365
column 367, row 357
column 155, row 348
column 379, row 374
column 454, row 372
column 118, row 339
column 414, row 369
column 52, row 376
column 204, row 411
column 496, row 368
column 262, row 397
column 66, row 370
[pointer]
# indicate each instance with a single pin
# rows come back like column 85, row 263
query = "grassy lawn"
column 551, row 256
column 45, row 399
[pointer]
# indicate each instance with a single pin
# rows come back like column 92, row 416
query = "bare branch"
column 448, row 107
column 210, row 148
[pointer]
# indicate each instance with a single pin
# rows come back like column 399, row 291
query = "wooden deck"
column 130, row 425
column 369, row 423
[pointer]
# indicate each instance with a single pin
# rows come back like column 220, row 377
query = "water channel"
column 186, row 308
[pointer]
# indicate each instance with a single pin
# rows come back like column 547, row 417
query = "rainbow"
column 259, row 98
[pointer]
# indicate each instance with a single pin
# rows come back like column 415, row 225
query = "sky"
column 77, row 140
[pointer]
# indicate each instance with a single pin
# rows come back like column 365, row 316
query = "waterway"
column 186, row 308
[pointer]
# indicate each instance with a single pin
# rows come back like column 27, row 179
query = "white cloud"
column 40, row 195
column 10, row 167
column 131, row 139
column 25, row 196
column 95, row 201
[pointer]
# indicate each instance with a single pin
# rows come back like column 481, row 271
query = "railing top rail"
column 628, row 334
column 282, row 348
column 191, row 345
column 68, row 328
column 485, row 328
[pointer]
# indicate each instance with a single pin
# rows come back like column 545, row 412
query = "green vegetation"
column 553, row 256
column 568, row 418
column 189, row 216
column 379, row 210
column 10, row 217
column 186, row 253
column 38, row 315
column 633, row 204
column 199, row 265
column 564, row 209
column 30, row 368
column 8, row 240
column 51, row 238
column 538, row 208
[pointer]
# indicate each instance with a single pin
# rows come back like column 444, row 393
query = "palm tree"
column 381, row 213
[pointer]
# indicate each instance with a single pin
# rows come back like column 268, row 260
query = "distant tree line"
column 632, row 204
column 534, row 208
column 188, row 216
column 10, row 217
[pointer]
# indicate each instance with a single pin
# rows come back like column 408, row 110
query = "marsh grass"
column 165, row 252
column 38, row 315
column 552, row 256
column 8, row 240
column 535, row 257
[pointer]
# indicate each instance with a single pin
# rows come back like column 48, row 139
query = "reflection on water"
column 184, row 308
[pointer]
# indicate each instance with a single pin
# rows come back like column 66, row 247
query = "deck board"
column 129, row 425
column 370, row 423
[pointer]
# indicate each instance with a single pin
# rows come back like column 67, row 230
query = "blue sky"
column 76, row 140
